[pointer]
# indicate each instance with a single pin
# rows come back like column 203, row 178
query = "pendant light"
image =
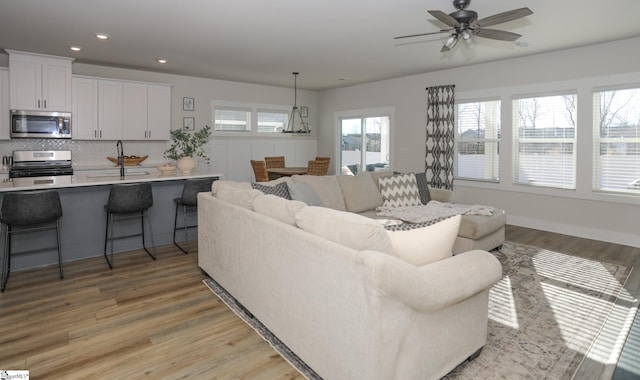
column 301, row 126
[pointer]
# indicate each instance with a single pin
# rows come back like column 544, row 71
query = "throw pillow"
column 424, row 243
column 327, row 188
column 302, row 191
column 277, row 208
column 360, row 192
column 346, row 228
column 228, row 184
column 399, row 190
column 423, row 187
column 281, row 189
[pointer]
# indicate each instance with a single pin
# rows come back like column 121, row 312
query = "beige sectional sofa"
column 333, row 286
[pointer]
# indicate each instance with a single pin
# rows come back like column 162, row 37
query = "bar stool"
column 29, row 211
column 189, row 203
column 128, row 201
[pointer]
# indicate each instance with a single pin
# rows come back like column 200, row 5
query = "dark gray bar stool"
column 128, row 201
column 29, row 211
column 189, row 203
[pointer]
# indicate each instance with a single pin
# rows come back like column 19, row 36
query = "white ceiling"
column 332, row 43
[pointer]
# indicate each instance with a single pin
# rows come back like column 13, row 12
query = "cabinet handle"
column 45, row 104
column 95, row 133
column 38, row 103
column 149, row 134
column 100, row 134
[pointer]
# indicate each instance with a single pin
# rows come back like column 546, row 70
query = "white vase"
column 186, row 165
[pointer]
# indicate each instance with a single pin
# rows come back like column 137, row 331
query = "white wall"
column 578, row 212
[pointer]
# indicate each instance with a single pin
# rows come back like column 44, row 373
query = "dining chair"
column 316, row 167
column 323, row 158
column 274, row 162
column 260, row 170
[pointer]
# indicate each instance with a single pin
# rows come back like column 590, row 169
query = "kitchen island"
column 82, row 226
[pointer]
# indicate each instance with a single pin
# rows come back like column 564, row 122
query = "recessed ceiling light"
column 102, row 36
column 75, row 48
column 160, row 60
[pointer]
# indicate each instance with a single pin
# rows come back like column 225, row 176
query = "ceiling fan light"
column 470, row 42
column 451, row 41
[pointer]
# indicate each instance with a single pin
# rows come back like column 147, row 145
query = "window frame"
column 254, row 109
column 496, row 163
column 516, row 140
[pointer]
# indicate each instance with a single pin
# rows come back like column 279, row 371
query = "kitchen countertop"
column 86, row 177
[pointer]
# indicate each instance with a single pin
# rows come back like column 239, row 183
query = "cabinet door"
column 84, row 124
column 56, row 87
column 159, row 111
column 110, row 109
column 25, row 85
column 4, row 105
column 135, row 111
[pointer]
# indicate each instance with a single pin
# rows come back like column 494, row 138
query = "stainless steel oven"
column 41, row 163
column 40, row 124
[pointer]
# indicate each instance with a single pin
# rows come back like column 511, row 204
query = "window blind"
column 544, row 133
column 477, row 140
column 616, row 130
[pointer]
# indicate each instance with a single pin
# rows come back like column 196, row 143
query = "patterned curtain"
column 440, row 136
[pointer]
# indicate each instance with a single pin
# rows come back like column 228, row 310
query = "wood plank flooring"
column 156, row 319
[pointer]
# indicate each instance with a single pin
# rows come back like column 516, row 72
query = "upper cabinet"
column 112, row 110
column 39, row 82
column 4, row 104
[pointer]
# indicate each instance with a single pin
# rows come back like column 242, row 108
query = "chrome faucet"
column 120, row 157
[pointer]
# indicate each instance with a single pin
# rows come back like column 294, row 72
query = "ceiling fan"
column 464, row 24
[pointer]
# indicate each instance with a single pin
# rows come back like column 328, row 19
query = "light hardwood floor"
column 156, row 319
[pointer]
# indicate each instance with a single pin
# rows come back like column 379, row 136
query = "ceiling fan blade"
column 420, row 34
column 504, row 17
column 495, row 34
column 445, row 18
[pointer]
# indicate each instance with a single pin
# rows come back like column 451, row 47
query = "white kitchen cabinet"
column 39, row 82
column 110, row 110
column 97, row 109
column 135, row 111
column 5, row 129
column 147, row 111
column 84, row 114
column 159, row 111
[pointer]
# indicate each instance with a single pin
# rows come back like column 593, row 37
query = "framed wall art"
column 189, row 123
column 187, row 104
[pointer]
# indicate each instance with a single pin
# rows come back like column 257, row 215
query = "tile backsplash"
column 88, row 152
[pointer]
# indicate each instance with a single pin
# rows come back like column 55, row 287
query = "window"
column 364, row 143
column 616, row 129
column 544, row 138
column 229, row 119
column 477, row 140
column 249, row 118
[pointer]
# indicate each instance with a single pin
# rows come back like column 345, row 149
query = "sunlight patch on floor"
column 502, row 306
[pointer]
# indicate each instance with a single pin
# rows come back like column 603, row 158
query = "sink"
column 126, row 174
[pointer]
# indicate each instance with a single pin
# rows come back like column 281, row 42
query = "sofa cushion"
column 327, row 188
column 476, row 226
column 360, row 192
column 349, row 229
column 399, row 190
column 277, row 207
column 280, row 190
column 302, row 191
column 424, row 243
column 242, row 198
column 376, row 175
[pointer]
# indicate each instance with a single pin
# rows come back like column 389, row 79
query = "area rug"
column 549, row 313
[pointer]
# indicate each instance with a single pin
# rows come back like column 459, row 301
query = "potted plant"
column 186, row 145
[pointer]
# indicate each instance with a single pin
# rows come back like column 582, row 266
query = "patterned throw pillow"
column 399, row 190
column 281, row 189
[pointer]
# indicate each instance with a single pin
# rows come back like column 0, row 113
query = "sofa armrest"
column 441, row 195
column 440, row 284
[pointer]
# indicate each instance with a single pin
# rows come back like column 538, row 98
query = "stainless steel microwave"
column 40, row 124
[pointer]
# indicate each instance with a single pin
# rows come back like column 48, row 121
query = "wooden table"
column 286, row 172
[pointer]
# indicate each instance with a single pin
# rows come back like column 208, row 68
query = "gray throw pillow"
column 423, row 187
column 302, row 191
column 280, row 189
